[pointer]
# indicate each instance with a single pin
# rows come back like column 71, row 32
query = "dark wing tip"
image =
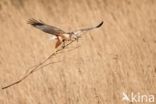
column 99, row 25
column 34, row 22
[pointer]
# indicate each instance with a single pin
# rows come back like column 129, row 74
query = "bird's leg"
column 63, row 46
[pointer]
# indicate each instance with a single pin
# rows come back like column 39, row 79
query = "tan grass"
column 118, row 57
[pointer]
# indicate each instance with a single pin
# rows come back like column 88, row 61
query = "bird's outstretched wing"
column 44, row 27
column 87, row 29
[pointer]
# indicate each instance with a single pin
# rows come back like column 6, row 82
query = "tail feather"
column 58, row 43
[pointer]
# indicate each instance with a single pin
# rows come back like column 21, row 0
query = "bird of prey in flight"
column 59, row 34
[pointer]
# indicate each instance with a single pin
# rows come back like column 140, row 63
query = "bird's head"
column 75, row 35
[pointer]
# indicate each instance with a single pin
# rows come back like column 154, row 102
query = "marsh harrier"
column 59, row 34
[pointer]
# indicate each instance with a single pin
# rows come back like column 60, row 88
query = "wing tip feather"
column 99, row 25
column 34, row 22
